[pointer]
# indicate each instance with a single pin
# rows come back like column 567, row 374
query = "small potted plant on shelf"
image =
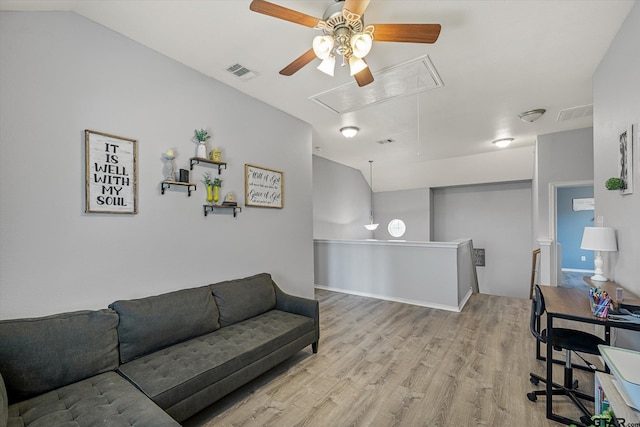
column 201, row 136
column 614, row 184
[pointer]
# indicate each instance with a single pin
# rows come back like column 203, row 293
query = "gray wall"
column 616, row 97
column 60, row 74
column 411, row 206
column 562, row 157
column 497, row 217
column 341, row 199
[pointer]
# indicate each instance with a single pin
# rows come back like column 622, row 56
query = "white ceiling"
column 496, row 60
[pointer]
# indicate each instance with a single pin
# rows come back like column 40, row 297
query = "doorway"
column 574, row 210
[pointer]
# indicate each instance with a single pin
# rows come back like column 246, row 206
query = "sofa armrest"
column 302, row 306
column 4, row 404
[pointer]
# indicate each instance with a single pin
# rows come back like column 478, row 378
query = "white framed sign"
column 263, row 187
column 111, row 178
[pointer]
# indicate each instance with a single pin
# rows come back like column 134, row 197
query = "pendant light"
column 371, row 226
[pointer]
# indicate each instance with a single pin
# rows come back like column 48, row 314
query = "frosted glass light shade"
column 349, row 131
column 322, row 46
column 328, row 65
column 356, row 65
column 361, row 45
column 503, row 143
column 371, row 226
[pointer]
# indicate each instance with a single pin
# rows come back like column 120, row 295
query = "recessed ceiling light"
column 532, row 115
column 349, row 131
column 504, row 142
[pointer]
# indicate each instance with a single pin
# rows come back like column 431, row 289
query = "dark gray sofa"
column 153, row 361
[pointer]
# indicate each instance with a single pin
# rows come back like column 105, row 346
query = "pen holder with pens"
column 600, row 302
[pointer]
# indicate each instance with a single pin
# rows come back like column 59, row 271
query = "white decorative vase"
column 202, row 150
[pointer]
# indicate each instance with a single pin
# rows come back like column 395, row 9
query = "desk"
column 573, row 304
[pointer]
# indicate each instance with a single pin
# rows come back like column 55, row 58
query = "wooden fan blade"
column 356, row 6
column 364, row 77
column 280, row 12
column 408, row 33
column 298, row 63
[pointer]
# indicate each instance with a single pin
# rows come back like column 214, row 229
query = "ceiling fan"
column 345, row 35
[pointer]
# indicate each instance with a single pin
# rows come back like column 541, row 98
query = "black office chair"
column 569, row 340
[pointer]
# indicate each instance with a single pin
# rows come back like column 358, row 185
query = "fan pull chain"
column 418, row 121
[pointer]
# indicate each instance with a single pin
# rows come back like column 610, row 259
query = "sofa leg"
column 314, row 347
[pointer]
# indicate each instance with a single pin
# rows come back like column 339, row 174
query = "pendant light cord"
column 371, row 181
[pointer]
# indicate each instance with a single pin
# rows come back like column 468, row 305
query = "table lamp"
column 599, row 239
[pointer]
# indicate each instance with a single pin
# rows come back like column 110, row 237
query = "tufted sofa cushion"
column 184, row 369
column 241, row 299
column 105, row 400
column 41, row 354
column 150, row 324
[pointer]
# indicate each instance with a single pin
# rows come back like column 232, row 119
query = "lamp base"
column 598, row 278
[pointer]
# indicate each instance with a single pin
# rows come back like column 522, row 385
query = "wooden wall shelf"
column 167, row 184
column 198, row 160
column 207, row 208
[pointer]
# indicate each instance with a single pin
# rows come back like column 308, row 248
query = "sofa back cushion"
column 42, row 354
column 241, row 299
column 152, row 323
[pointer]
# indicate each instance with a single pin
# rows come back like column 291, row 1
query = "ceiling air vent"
column 575, row 113
column 242, row 72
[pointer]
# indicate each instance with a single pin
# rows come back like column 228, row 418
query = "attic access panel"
column 415, row 76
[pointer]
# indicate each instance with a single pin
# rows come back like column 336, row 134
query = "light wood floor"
column 383, row 363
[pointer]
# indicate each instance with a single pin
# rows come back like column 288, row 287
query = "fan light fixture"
column 349, row 131
column 532, row 116
column 343, row 36
column 503, row 143
column 371, row 226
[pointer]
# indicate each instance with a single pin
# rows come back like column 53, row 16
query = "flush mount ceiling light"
column 349, row 131
column 503, row 143
column 344, row 34
column 532, row 116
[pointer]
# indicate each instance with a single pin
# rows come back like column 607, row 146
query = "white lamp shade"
column 356, row 65
column 322, row 46
column 371, row 227
column 361, row 45
column 599, row 239
column 328, row 65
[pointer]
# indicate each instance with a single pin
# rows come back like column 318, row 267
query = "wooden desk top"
column 574, row 303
